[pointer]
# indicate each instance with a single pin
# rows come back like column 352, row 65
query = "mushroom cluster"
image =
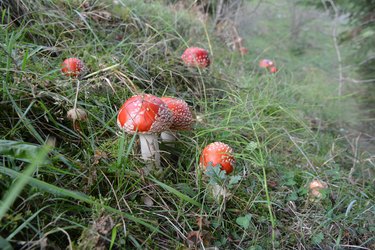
column 148, row 115
column 268, row 64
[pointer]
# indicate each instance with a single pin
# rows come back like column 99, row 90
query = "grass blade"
column 22, row 180
column 75, row 195
column 177, row 193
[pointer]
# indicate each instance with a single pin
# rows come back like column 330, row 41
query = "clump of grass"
column 91, row 191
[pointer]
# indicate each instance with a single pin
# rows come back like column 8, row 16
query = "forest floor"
column 82, row 185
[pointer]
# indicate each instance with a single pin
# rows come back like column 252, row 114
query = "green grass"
column 88, row 190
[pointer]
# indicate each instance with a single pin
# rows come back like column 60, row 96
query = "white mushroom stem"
column 219, row 191
column 150, row 148
column 76, row 97
column 168, row 136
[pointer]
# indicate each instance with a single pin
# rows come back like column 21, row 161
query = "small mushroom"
column 146, row 115
column 182, row 117
column 218, row 153
column 196, row 57
column 272, row 69
column 265, row 63
column 76, row 114
column 73, row 67
column 316, row 186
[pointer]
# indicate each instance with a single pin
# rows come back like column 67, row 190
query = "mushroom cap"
column 145, row 114
column 272, row 69
column 265, row 63
column 218, row 153
column 196, row 57
column 72, row 67
column 315, row 186
column 76, row 114
column 182, row 116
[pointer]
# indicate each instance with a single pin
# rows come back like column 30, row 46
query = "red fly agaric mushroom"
column 218, row 153
column 265, row 63
column 146, row 115
column 196, row 57
column 182, row 117
column 272, row 69
column 72, row 67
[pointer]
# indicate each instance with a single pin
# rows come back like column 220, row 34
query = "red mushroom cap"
column 316, row 186
column 243, row 51
column 218, row 153
column 273, row 69
column 144, row 114
column 196, row 57
column 72, row 67
column 265, row 63
column 182, row 116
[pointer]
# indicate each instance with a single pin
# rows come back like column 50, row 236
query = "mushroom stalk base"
column 219, row 191
column 150, row 149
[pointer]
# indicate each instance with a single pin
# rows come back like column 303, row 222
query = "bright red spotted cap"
column 182, row 116
column 218, row 153
column 144, row 114
column 72, row 67
column 196, row 57
column 265, row 63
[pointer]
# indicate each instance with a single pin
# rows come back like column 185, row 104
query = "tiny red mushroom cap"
column 265, row 63
column 218, row 153
column 243, row 51
column 144, row 114
column 182, row 116
column 72, row 67
column 273, row 69
column 196, row 57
